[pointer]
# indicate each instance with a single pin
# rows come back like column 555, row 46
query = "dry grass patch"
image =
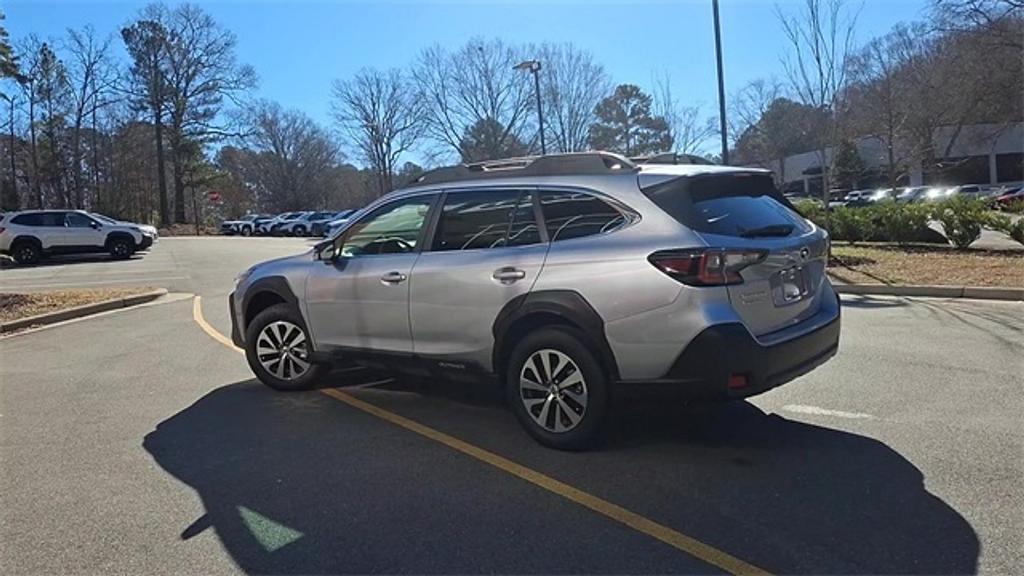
column 926, row 265
column 18, row 305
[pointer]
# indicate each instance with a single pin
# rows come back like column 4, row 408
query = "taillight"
column 707, row 267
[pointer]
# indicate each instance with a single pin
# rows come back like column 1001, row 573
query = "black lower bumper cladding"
column 728, row 350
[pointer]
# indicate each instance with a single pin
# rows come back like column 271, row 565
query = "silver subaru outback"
column 558, row 277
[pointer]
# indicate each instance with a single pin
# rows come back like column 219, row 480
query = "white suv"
column 31, row 235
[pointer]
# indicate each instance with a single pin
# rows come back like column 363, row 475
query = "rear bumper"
column 724, row 352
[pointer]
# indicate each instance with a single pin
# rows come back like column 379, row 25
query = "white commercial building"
column 979, row 154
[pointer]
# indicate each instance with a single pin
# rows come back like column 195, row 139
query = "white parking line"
column 801, row 409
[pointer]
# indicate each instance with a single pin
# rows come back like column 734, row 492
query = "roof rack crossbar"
column 574, row 164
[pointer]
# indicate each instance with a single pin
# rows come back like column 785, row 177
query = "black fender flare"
column 26, row 238
column 117, row 234
column 568, row 306
column 276, row 285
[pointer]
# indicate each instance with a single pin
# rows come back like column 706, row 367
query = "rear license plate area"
column 790, row 286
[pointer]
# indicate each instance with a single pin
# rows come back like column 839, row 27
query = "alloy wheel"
column 282, row 350
column 552, row 388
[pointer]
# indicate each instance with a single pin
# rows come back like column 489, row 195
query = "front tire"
column 277, row 347
column 246, row 231
column 120, row 248
column 299, row 231
column 557, row 389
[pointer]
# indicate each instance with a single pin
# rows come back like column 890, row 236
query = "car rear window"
column 569, row 215
column 40, row 219
column 728, row 205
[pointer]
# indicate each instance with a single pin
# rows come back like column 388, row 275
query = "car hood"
column 306, row 256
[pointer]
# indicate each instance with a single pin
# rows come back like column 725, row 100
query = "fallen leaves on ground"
column 926, row 265
column 17, row 305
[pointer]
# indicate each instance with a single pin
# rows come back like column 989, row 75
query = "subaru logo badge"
column 804, row 253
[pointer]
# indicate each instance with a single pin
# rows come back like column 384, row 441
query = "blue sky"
column 299, row 48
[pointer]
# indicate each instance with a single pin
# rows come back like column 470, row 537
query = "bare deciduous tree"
column 474, row 84
column 288, row 160
column 572, row 85
column 1000, row 17
column 381, row 117
column 821, row 40
column 687, row 126
column 202, row 72
column 92, row 78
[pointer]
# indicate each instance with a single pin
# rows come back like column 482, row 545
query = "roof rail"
column 672, row 158
column 575, row 164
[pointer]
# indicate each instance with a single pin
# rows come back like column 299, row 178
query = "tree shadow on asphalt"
column 300, row 484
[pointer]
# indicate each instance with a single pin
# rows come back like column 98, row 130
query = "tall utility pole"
column 721, row 85
column 534, row 67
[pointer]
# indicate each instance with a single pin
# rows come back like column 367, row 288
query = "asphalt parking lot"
column 138, row 442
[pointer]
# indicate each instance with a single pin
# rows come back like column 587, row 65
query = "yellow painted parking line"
column 676, row 539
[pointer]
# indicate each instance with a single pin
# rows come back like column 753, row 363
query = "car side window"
column 393, row 228
column 473, row 220
column 570, row 215
column 524, row 230
column 28, row 220
column 76, row 220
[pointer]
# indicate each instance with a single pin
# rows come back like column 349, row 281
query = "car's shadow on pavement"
column 301, row 484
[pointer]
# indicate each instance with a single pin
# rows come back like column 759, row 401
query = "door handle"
column 508, row 275
column 393, row 278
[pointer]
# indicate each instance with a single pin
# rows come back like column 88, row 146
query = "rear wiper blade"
column 772, row 230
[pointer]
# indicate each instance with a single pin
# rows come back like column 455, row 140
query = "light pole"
column 533, row 66
column 721, row 85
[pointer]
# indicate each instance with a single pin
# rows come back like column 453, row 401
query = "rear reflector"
column 737, row 381
column 708, row 267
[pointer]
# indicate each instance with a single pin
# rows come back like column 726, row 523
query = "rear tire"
column 277, row 346
column 26, row 253
column 120, row 248
column 564, row 410
column 299, row 231
column 246, row 231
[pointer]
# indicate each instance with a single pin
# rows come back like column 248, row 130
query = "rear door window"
column 729, row 205
column 570, row 215
column 473, row 220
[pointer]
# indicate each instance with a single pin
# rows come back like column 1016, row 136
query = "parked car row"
column 31, row 235
column 303, row 223
column 998, row 195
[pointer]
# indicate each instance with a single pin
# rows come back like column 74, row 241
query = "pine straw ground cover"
column 926, row 265
column 17, row 305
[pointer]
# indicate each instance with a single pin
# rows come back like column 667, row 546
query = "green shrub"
column 1006, row 225
column 962, row 219
column 812, row 210
column 852, row 224
column 901, row 223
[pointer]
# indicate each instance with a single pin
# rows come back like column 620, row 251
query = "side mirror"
column 324, row 251
column 95, row 225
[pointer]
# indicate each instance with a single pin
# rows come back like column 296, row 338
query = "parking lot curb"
column 79, row 311
column 973, row 292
